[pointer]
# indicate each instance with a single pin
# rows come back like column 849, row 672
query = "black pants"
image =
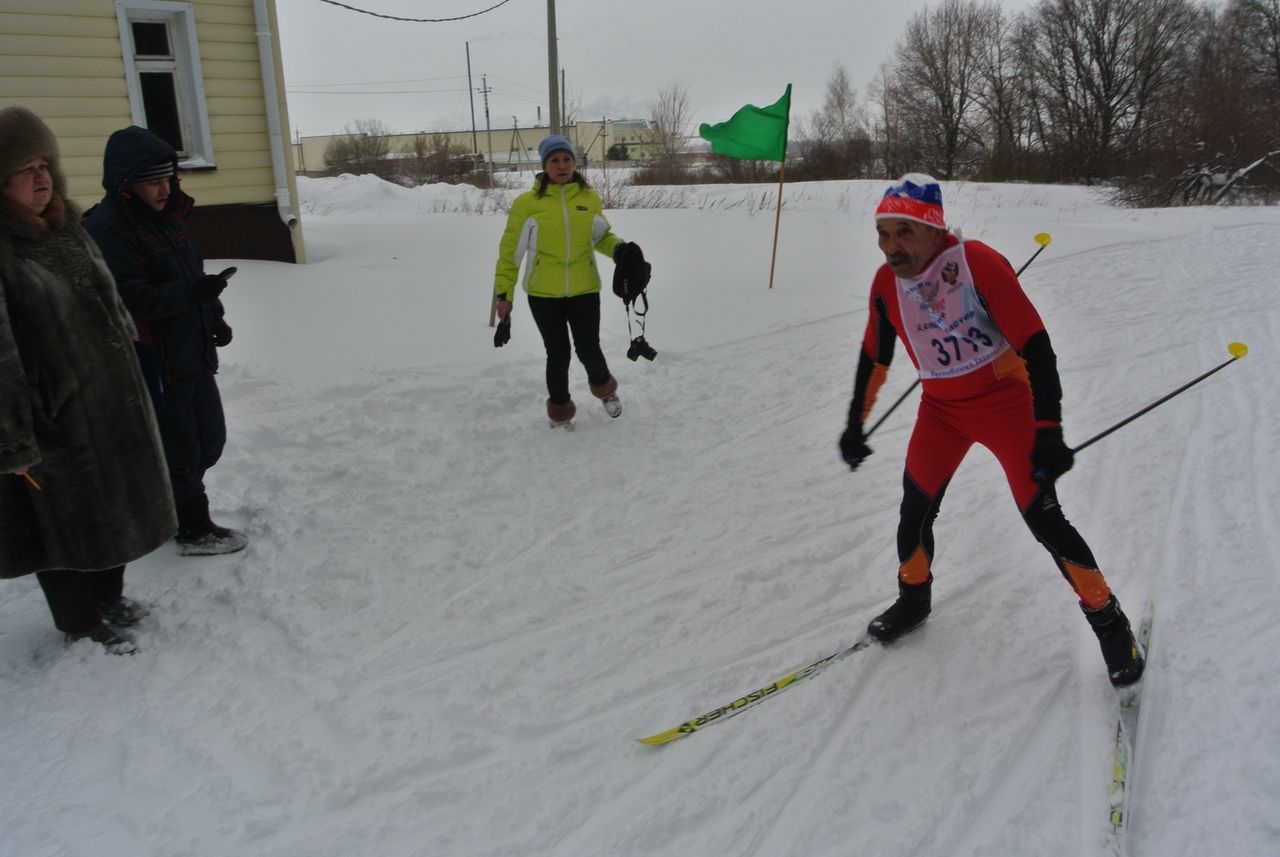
column 1043, row 517
column 74, row 596
column 194, row 431
column 556, row 318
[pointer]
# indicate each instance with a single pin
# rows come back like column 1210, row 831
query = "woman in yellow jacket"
column 557, row 225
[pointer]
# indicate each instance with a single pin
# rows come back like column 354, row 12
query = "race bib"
column 945, row 323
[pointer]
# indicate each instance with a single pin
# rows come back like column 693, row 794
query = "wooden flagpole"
column 777, row 222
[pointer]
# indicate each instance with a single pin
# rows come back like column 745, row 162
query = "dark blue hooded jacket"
column 153, row 260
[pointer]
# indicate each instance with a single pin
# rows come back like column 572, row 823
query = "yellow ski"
column 1126, row 741
column 742, row 703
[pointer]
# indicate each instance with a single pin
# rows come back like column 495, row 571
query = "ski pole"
column 1044, row 239
column 1041, row 238
column 892, row 408
column 1236, row 349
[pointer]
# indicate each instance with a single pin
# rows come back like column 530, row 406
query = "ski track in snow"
column 452, row 622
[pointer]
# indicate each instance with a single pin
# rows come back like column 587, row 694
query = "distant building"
column 512, row 149
column 204, row 75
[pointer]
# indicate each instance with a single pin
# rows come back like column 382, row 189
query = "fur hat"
column 915, row 196
column 23, row 138
column 552, row 144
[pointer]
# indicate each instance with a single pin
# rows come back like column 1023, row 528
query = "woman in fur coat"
column 83, row 485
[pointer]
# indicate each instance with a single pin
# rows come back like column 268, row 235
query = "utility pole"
column 471, row 93
column 484, row 81
column 553, row 66
column 516, row 141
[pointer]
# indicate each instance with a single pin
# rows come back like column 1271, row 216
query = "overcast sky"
column 616, row 57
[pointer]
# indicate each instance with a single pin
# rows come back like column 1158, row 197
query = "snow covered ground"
column 452, row 621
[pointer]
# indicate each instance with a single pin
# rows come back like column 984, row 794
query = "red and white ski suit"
column 988, row 376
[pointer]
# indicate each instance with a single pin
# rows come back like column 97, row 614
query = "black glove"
column 631, row 272
column 502, row 335
column 853, row 446
column 627, row 252
column 207, row 287
column 1050, row 456
column 221, row 333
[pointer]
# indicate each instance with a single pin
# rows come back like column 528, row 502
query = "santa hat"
column 915, row 196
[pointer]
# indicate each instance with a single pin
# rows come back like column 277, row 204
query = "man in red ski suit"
column 988, row 376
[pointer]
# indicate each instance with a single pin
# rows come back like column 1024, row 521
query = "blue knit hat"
column 552, row 144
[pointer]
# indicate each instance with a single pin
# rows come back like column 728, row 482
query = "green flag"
column 754, row 133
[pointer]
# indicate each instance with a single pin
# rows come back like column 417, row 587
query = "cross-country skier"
column 988, row 376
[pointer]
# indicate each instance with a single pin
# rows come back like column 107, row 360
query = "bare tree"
column 362, row 150
column 430, row 159
column 936, row 78
column 1215, row 130
column 835, row 142
column 898, row 151
column 1103, row 63
column 1004, row 93
column 670, row 120
column 1261, row 18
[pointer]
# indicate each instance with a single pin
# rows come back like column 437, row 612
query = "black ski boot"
column 1124, row 662
column 907, row 613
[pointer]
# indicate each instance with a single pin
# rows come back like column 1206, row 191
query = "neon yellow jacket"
column 556, row 232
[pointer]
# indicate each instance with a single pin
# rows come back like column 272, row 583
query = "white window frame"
column 193, row 112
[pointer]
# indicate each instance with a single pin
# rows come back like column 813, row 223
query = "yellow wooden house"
column 204, row 75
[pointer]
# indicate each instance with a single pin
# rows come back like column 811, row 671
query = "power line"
column 415, row 20
column 517, row 83
column 370, row 91
column 377, row 82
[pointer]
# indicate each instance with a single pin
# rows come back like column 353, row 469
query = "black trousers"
column 556, row 318
column 74, row 596
column 194, row 431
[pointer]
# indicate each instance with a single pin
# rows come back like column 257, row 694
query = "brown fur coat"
column 73, row 407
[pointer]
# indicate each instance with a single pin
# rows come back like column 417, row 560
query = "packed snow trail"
column 451, row 622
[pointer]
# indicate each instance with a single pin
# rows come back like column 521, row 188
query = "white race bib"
column 944, row 321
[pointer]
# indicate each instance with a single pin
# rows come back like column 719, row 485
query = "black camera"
column 640, row 348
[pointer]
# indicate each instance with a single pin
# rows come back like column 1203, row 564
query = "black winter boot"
column 123, row 612
column 1124, row 662
column 193, row 518
column 114, row 642
column 198, row 535
column 906, row 614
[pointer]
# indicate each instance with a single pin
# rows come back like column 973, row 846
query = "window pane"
column 151, row 40
column 160, row 102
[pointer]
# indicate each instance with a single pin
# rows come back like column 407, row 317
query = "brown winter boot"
column 561, row 414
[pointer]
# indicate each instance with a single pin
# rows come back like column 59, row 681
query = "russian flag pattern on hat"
column 915, row 196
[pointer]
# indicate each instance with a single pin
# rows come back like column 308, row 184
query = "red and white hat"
column 915, row 196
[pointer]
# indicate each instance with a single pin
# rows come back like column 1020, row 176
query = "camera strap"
column 644, row 295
